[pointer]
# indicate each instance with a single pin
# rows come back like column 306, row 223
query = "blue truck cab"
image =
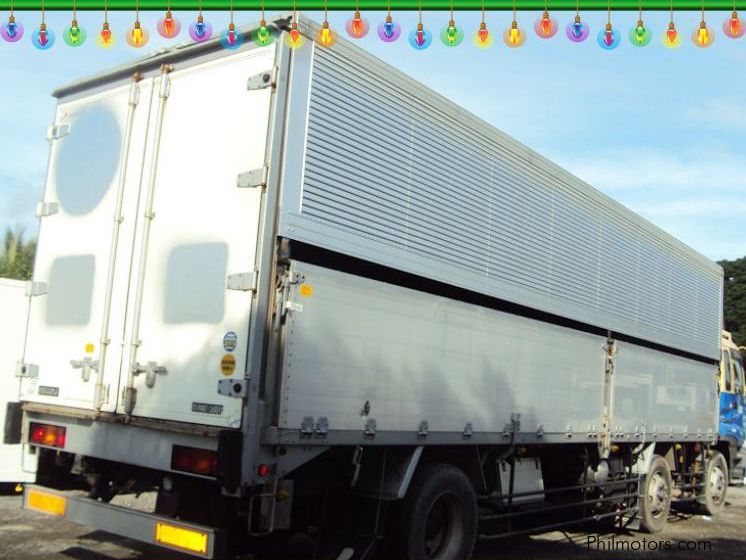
column 732, row 401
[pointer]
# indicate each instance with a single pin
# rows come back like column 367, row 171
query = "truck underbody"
column 373, row 499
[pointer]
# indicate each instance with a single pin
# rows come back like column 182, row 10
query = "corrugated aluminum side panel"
column 397, row 175
column 413, row 356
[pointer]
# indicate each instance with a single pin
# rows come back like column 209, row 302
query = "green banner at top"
column 370, row 5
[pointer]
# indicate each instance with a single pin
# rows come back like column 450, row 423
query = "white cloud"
column 705, row 172
column 726, row 112
column 697, row 196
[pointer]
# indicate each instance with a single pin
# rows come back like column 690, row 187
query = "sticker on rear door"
column 230, row 340
column 49, row 391
column 228, row 364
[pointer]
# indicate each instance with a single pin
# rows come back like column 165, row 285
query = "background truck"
column 301, row 298
column 732, row 390
column 17, row 461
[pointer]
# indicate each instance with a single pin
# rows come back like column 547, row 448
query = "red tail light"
column 47, row 434
column 194, row 460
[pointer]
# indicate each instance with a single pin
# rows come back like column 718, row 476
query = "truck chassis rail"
column 189, row 538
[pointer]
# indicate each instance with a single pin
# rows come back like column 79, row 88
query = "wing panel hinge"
column 262, row 80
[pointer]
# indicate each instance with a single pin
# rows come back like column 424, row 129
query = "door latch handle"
column 151, row 370
column 86, row 365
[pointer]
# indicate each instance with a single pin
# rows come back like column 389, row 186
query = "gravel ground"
column 26, row 535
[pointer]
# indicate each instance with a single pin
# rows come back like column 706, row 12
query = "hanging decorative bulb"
column 74, row 36
column 326, row 37
column 734, row 27
column 43, row 38
column 137, row 36
column 12, row 30
column 294, row 39
column 577, row 31
column 263, row 35
column 357, row 26
column 450, row 35
column 703, row 36
column 420, row 38
column 105, row 38
column 608, row 38
column 231, row 39
column 639, row 35
column 514, row 37
column 483, row 39
column 200, row 31
column 388, row 30
column 671, row 38
column 168, row 26
column 546, row 26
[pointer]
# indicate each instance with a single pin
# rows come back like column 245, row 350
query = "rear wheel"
column 655, row 498
column 715, row 484
column 439, row 516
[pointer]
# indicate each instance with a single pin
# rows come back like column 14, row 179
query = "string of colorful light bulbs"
column 357, row 27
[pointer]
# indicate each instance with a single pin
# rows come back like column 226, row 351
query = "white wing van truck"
column 298, row 295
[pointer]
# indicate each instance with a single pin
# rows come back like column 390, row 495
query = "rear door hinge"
column 36, row 288
column 243, row 281
column 256, row 178
column 57, row 131
column 27, row 370
column 44, row 209
column 263, row 80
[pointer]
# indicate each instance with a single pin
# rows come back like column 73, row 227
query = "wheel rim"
column 717, row 484
column 443, row 526
column 658, row 495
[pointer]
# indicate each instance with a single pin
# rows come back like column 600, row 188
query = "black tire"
column 655, row 498
column 715, row 484
column 439, row 515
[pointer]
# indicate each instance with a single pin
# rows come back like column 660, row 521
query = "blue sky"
column 663, row 132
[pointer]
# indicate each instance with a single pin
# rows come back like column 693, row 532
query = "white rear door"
column 82, row 263
column 196, row 228
column 16, row 463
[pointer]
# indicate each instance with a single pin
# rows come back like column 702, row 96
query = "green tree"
column 734, row 304
column 17, row 256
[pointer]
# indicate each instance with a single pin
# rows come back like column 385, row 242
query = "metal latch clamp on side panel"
column 256, row 178
column 262, row 80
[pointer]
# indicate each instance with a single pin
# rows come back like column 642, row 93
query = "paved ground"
column 31, row 536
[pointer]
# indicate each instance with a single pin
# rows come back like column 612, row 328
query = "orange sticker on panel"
column 228, row 364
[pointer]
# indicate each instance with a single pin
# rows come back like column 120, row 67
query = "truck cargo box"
column 335, row 152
